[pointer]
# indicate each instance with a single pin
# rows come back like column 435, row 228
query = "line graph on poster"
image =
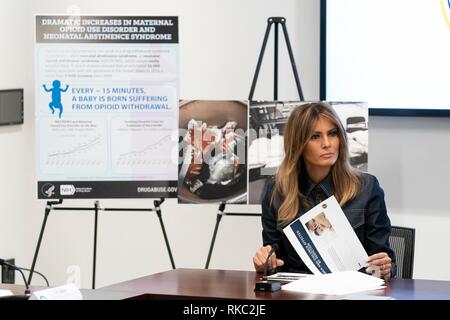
column 78, row 149
column 146, row 153
column 143, row 152
column 74, row 152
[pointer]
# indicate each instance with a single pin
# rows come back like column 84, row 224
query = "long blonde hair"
column 297, row 133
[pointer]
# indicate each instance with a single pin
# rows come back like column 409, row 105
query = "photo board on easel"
column 106, row 106
column 213, row 147
column 265, row 152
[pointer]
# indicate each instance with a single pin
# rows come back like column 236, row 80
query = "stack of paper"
column 287, row 276
column 337, row 283
column 4, row 293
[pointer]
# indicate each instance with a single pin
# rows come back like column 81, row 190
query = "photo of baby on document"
column 333, row 248
column 321, row 227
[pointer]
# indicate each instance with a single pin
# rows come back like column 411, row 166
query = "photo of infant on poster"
column 320, row 226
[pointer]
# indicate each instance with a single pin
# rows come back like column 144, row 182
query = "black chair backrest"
column 402, row 242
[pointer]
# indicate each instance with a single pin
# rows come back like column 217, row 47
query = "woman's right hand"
column 260, row 258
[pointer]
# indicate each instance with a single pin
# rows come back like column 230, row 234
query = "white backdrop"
column 219, row 46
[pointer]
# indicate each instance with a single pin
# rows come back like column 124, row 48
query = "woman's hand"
column 383, row 261
column 260, row 258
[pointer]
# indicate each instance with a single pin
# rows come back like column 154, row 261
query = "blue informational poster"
column 106, row 106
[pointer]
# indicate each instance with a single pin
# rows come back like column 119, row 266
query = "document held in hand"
column 325, row 240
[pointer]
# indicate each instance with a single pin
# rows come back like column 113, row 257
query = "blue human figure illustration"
column 56, row 96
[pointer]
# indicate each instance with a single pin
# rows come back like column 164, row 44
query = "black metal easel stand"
column 220, row 214
column 50, row 206
column 276, row 21
column 270, row 21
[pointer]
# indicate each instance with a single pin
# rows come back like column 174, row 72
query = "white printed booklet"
column 325, row 240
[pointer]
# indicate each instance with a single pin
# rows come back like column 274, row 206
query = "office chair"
column 402, row 242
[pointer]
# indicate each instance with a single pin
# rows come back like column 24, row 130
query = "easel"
column 51, row 206
column 270, row 21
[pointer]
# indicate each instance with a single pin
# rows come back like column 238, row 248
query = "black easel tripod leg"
column 291, row 57
column 275, row 63
column 158, row 212
column 48, row 208
column 94, row 263
column 213, row 240
column 261, row 55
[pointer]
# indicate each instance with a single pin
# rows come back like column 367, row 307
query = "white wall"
column 14, row 68
column 410, row 156
column 219, row 45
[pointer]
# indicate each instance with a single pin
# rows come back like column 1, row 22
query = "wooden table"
column 226, row 284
